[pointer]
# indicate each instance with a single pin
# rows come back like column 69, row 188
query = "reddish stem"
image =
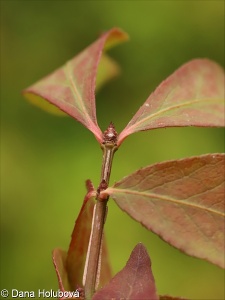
column 109, row 147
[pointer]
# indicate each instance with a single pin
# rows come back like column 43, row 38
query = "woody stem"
column 99, row 217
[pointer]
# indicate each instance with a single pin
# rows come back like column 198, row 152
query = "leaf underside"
column 192, row 96
column 134, row 281
column 76, row 257
column 59, row 260
column 182, row 201
column 71, row 88
column 167, row 297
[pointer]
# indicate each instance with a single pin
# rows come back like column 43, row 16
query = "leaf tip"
column 116, row 35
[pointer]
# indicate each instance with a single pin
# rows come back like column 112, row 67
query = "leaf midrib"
column 165, row 198
column 137, row 123
column 76, row 93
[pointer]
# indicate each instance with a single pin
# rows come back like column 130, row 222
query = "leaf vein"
column 158, row 113
column 77, row 95
column 169, row 199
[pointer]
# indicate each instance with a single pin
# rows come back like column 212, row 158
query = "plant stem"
column 95, row 248
column 109, row 147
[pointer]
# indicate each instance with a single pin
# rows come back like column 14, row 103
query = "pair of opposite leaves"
column 182, row 201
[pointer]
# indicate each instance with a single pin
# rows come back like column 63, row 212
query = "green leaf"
column 182, row 201
column 107, row 69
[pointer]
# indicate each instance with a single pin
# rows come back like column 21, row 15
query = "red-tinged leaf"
column 105, row 271
column 59, row 260
column 182, row 201
column 166, row 297
column 134, row 281
column 72, row 87
column 76, row 257
column 79, row 243
column 191, row 96
column 107, row 69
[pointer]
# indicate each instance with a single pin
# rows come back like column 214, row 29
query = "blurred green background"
column 45, row 160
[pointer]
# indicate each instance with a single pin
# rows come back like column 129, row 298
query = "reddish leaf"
column 105, row 271
column 72, row 87
column 166, row 297
column 134, row 281
column 182, row 201
column 192, row 96
column 59, row 260
column 79, row 245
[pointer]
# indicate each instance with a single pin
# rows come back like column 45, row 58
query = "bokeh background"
column 45, row 159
